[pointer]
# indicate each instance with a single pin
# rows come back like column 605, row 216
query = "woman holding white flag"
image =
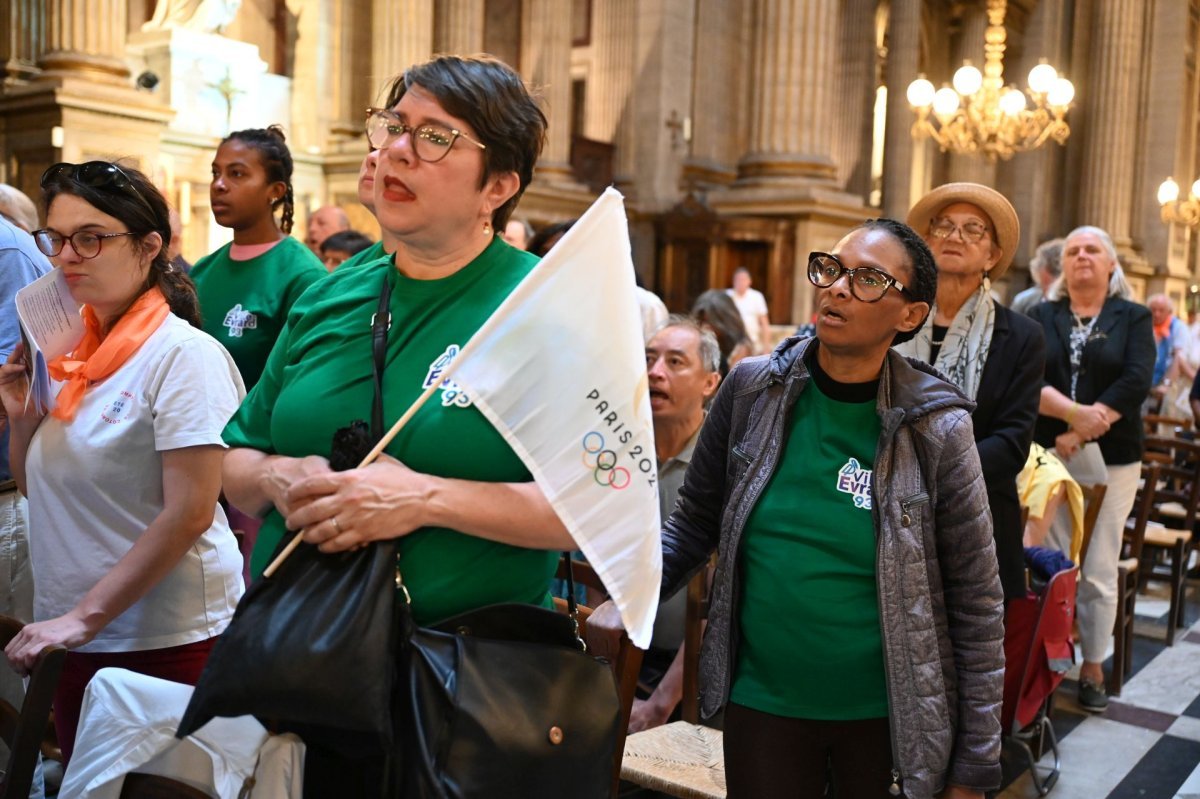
column 856, row 622
column 457, row 146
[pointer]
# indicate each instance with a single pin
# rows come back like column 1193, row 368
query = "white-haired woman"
column 1099, row 357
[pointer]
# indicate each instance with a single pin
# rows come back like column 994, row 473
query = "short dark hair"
column 348, row 241
column 922, row 285
column 490, row 97
column 141, row 208
column 272, row 148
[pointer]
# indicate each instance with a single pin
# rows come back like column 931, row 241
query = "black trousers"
column 774, row 757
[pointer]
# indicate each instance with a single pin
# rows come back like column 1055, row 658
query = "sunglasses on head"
column 95, row 174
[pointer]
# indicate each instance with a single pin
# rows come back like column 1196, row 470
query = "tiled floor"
column 1147, row 744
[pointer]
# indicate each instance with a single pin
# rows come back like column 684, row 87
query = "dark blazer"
column 1005, row 413
column 1118, row 361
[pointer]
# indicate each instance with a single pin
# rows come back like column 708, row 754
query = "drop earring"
column 487, row 228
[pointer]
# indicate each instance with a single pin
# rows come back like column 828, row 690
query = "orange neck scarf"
column 96, row 358
column 1163, row 330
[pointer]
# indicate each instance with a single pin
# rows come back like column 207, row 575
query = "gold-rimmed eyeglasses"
column 430, row 142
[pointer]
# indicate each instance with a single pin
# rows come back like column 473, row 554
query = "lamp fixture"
column 1174, row 210
column 980, row 115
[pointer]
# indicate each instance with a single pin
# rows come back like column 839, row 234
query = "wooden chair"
column 24, row 729
column 1155, row 423
column 626, row 666
column 685, row 758
column 1169, row 543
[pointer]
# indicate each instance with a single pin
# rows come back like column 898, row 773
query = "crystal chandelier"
column 1174, row 210
column 980, row 115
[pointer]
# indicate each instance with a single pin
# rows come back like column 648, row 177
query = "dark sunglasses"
column 95, row 174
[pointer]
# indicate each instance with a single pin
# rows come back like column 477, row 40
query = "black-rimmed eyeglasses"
column 430, row 142
column 867, row 283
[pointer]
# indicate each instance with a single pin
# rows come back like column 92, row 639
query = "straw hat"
column 1006, row 226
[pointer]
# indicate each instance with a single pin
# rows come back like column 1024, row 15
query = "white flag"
column 560, row 370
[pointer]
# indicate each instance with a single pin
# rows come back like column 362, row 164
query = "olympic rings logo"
column 603, row 463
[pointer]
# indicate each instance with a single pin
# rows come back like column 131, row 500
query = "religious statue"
column 203, row 16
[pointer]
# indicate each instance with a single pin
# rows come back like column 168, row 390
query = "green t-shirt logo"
column 452, row 393
column 238, row 320
column 856, row 481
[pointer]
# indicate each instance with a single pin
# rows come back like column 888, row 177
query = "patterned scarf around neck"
column 965, row 349
column 95, row 358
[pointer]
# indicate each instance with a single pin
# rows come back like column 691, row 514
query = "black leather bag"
column 311, row 650
column 504, row 702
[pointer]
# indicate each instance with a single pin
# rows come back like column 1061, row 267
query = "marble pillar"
column 20, row 45
column 403, row 36
column 546, row 63
column 85, row 38
column 854, row 93
column 793, row 55
column 458, row 26
column 1169, row 147
column 609, row 113
column 904, row 55
column 1110, row 152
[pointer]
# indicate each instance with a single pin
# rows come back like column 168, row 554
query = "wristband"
column 1071, row 413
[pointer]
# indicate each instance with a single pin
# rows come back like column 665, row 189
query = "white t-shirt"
column 752, row 306
column 95, row 485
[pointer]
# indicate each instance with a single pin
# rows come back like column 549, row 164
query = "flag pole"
column 367, row 461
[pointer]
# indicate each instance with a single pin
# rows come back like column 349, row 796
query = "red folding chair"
column 1038, row 651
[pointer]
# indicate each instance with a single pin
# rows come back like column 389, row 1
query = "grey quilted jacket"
column 940, row 601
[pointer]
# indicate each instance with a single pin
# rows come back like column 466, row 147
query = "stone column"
column 20, row 45
column 1169, row 147
column 84, row 37
column 903, row 62
column 976, row 168
column 854, row 96
column 403, row 36
column 610, row 116
column 791, row 118
column 458, row 26
column 546, row 63
column 1110, row 152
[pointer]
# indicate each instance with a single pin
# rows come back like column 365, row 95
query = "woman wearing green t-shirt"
column 856, row 620
column 457, row 148
column 247, row 287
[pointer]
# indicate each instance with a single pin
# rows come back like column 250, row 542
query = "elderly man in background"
column 1171, row 345
column 323, row 223
column 518, row 233
column 682, row 362
column 16, row 207
column 1045, row 268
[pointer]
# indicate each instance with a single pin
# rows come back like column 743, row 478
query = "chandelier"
column 980, row 115
column 1183, row 212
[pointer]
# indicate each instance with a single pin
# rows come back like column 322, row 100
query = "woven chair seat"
column 679, row 759
column 1173, row 509
column 1165, row 536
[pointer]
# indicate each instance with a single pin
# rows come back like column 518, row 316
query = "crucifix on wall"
column 228, row 90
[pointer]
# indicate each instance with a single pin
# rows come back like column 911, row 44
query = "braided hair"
column 276, row 160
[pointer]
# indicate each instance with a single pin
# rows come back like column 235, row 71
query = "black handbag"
column 501, row 701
